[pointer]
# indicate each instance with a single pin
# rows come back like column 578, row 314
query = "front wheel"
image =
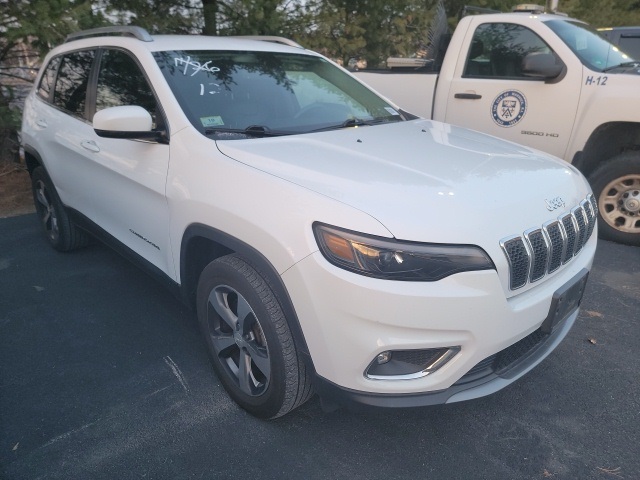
column 616, row 185
column 249, row 340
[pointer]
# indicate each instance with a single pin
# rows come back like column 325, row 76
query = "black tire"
column 60, row 231
column 616, row 186
column 243, row 325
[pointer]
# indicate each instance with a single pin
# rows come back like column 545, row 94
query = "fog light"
column 409, row 364
column 383, row 357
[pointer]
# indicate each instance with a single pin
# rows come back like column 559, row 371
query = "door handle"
column 468, row 96
column 42, row 123
column 90, row 145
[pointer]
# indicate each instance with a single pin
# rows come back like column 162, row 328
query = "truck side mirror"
column 543, row 66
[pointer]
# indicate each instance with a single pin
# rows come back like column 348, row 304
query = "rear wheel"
column 249, row 340
column 62, row 234
column 616, row 185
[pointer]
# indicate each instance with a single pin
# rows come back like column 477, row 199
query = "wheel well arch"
column 202, row 244
column 607, row 141
column 32, row 159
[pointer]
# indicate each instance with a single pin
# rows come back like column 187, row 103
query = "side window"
column 631, row 45
column 121, row 82
column 48, row 78
column 71, row 86
column 497, row 50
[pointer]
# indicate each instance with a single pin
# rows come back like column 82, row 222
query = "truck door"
column 489, row 91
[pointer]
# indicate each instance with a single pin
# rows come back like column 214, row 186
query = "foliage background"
column 345, row 30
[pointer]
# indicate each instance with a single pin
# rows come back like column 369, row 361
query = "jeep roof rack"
column 123, row 30
column 271, row 38
column 141, row 34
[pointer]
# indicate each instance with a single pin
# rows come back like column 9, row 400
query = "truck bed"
column 411, row 90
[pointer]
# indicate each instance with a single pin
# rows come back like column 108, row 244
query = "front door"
column 490, row 93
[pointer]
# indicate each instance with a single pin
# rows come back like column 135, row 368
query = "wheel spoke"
column 218, row 299
column 46, row 215
column 260, row 358
column 629, row 222
column 244, row 310
column 245, row 381
column 41, row 196
column 222, row 344
column 54, row 222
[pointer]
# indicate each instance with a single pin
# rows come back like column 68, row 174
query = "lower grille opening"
column 506, row 359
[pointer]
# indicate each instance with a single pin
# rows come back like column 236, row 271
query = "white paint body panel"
column 419, row 180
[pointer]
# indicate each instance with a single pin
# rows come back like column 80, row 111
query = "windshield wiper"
column 358, row 122
column 634, row 63
column 257, row 131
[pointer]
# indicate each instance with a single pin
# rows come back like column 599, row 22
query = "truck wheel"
column 249, row 341
column 62, row 234
column 616, row 185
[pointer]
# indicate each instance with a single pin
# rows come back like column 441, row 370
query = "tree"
column 251, row 17
column 156, row 16
column 604, row 13
column 210, row 17
column 369, row 30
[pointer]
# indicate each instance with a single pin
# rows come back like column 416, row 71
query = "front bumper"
column 483, row 379
column 348, row 319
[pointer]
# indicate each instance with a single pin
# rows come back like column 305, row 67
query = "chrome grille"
column 542, row 250
column 581, row 234
column 518, row 258
column 539, row 253
column 591, row 215
column 570, row 228
column 557, row 237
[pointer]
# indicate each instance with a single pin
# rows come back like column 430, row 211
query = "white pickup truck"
column 545, row 81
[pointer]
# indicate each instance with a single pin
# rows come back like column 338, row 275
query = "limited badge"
column 509, row 108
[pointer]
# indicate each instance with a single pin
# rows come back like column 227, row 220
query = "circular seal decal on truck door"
column 508, row 108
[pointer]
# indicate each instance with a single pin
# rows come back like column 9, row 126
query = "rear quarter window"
column 48, row 79
column 70, row 92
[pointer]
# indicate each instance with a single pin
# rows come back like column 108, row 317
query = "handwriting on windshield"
column 194, row 67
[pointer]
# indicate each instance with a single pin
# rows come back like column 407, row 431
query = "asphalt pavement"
column 103, row 375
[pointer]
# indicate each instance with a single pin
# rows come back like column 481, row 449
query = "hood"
column 423, row 180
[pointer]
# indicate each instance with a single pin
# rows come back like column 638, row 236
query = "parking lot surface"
column 103, row 375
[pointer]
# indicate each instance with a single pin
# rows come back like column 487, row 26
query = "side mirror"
column 127, row 121
column 543, row 66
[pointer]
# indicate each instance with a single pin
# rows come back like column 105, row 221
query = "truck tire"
column 60, row 231
column 248, row 338
column 616, row 186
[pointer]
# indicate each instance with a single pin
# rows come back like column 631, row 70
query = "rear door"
column 60, row 121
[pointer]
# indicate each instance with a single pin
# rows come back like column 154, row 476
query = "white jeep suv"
column 329, row 241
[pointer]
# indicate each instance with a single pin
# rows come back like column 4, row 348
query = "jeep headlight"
column 392, row 259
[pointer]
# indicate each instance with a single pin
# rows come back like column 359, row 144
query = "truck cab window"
column 497, row 50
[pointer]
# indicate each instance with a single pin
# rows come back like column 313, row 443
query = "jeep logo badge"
column 554, row 203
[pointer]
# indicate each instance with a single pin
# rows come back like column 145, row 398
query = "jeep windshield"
column 244, row 94
column 591, row 48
